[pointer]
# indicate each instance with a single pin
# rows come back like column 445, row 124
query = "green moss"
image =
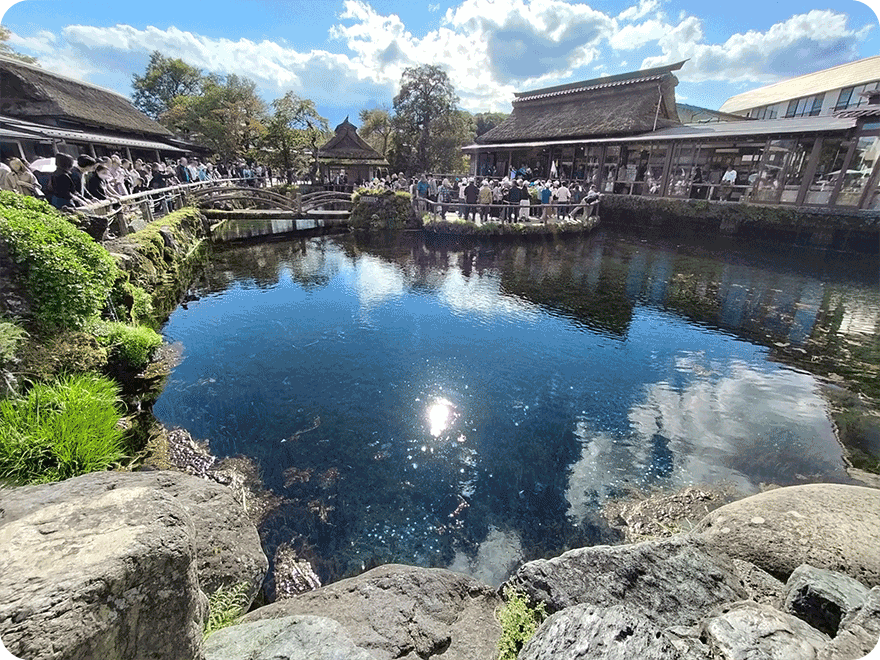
column 43, row 357
column 393, row 210
column 60, row 430
column 519, row 622
column 11, row 336
column 67, row 276
column 133, row 345
column 467, row 228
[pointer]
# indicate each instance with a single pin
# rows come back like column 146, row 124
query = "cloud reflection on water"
column 745, row 427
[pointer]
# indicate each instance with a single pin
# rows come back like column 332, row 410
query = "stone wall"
column 837, row 229
column 162, row 256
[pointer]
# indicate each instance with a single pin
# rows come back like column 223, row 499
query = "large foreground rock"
column 404, row 612
column 288, row 638
column 672, row 582
column 227, row 543
column 859, row 631
column 750, row 630
column 101, row 566
column 587, row 631
column 822, row 598
column 829, row 526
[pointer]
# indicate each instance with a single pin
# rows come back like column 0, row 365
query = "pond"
column 473, row 405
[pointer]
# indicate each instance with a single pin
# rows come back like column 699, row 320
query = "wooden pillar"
column 870, row 185
column 667, row 168
column 832, row 201
column 810, row 172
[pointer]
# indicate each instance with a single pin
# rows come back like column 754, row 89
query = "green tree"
column 228, row 116
column 164, row 80
column 8, row 51
column 422, row 109
column 377, row 129
column 294, row 132
column 486, row 121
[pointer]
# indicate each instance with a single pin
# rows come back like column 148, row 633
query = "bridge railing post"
column 299, row 203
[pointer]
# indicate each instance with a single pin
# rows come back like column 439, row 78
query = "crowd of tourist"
column 507, row 199
column 70, row 182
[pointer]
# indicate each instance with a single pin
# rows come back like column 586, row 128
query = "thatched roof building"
column 627, row 103
column 348, row 153
column 31, row 93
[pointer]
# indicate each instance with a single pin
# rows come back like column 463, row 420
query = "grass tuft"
column 60, row 430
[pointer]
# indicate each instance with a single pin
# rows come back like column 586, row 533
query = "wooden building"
column 624, row 134
column 43, row 113
column 348, row 154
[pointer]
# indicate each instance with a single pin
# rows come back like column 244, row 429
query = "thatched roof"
column 603, row 107
column 349, row 148
column 30, row 92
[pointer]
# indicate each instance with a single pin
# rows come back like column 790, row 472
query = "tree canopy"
column 422, row 112
column 8, row 51
column 294, row 132
column 227, row 116
column 164, row 80
column 377, row 129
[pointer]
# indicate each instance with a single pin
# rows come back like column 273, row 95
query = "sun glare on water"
column 439, row 416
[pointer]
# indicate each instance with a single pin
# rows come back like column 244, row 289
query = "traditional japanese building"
column 42, row 113
column 624, row 133
column 348, row 154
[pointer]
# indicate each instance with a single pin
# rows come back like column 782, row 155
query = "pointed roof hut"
column 635, row 102
column 348, row 153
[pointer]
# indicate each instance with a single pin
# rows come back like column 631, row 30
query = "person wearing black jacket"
column 470, row 200
column 63, row 185
column 514, row 197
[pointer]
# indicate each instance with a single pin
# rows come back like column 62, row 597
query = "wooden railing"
column 129, row 213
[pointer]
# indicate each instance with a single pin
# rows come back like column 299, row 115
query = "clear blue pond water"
column 473, row 405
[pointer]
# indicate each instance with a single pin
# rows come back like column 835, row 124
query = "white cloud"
column 636, row 35
column 489, row 48
column 800, row 44
column 638, row 11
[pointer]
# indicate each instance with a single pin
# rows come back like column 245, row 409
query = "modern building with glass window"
column 797, row 142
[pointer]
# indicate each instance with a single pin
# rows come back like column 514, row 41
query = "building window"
column 851, row 97
column 764, row 112
column 808, row 106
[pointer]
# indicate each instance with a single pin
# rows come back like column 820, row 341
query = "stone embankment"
column 117, row 565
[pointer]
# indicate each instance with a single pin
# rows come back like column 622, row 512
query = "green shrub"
column 60, row 430
column 66, row 274
column 132, row 344
column 518, row 623
column 394, row 209
column 225, row 606
column 11, row 335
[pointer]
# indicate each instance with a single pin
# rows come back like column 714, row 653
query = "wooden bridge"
column 312, row 210
column 325, row 204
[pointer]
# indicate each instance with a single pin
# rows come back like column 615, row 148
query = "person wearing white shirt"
column 563, row 197
column 727, row 183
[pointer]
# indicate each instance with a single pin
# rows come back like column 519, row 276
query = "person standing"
column 546, row 195
column 563, row 196
column 63, row 185
column 514, row 197
column 727, row 183
column 485, row 200
column 471, row 194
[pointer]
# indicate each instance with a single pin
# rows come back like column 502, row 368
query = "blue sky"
column 348, row 54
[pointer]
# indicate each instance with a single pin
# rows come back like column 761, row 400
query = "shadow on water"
column 473, row 404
